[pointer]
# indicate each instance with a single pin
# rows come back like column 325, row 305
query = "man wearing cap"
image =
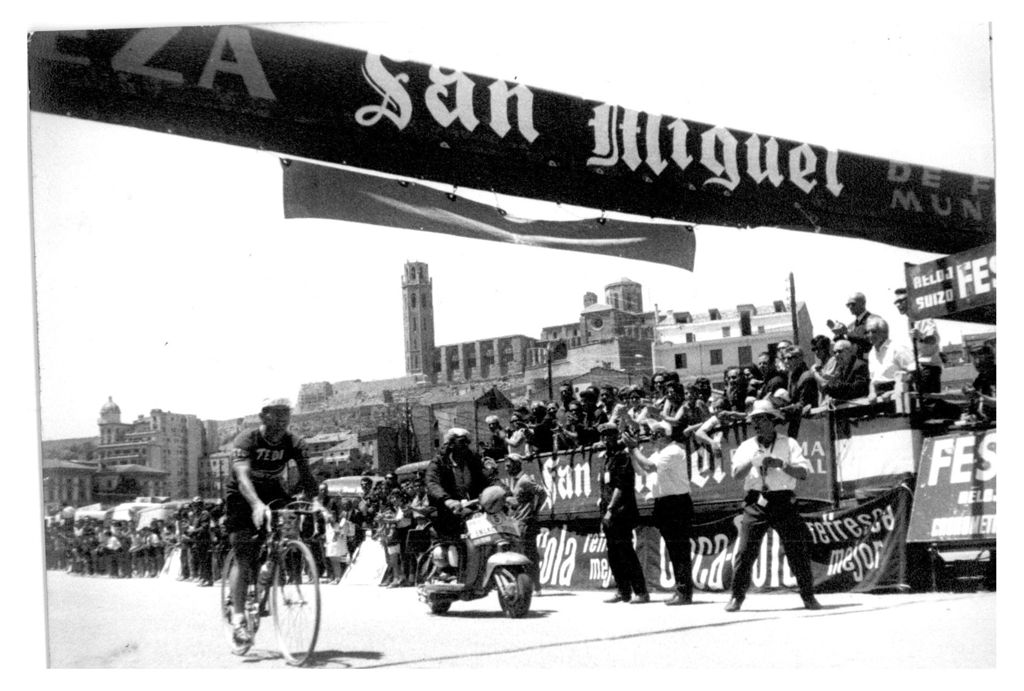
column 924, row 335
column 673, row 507
column 771, row 464
column 525, row 500
column 619, row 516
column 259, row 472
column 454, row 477
column 856, row 331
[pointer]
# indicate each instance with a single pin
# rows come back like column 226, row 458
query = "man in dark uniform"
column 619, row 515
column 258, row 475
column 454, row 477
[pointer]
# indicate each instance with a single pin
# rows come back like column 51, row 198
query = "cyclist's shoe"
column 242, row 639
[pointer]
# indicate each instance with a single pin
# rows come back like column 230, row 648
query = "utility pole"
column 551, row 389
column 792, row 308
column 405, row 434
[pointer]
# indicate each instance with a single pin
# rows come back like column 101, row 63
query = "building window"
column 691, row 337
column 412, row 300
column 726, row 331
column 716, row 356
column 760, row 329
column 745, row 355
column 680, row 360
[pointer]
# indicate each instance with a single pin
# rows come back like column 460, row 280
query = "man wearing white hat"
column 772, row 464
column 673, row 507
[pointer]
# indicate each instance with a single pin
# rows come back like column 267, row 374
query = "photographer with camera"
column 773, row 463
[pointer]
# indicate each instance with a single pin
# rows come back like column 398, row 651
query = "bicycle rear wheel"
column 295, row 602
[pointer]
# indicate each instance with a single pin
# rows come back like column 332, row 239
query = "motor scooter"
column 491, row 558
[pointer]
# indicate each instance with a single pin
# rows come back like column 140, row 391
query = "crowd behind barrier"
column 192, row 545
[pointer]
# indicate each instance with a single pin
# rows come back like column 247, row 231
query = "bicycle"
column 287, row 579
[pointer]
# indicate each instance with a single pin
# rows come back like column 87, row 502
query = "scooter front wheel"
column 438, row 606
column 515, row 592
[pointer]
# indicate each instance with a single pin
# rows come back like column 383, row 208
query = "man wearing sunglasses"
column 673, row 507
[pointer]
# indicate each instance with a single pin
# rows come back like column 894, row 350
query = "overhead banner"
column 858, row 549
column 961, row 286
column 255, row 88
column 312, row 191
column 955, row 500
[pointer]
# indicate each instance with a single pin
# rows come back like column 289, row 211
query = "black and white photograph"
column 460, row 337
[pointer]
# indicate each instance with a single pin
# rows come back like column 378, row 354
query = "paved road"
column 142, row 623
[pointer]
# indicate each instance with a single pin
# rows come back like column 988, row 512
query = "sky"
column 167, row 277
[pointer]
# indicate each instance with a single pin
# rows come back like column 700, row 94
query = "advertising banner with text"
column 961, row 286
column 855, row 549
column 572, row 478
column 955, row 500
column 255, row 88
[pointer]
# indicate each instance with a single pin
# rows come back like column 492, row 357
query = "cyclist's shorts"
column 238, row 511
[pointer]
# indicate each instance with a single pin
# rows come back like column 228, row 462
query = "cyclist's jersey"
column 268, row 463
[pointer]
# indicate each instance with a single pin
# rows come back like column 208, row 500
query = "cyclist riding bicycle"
column 259, row 468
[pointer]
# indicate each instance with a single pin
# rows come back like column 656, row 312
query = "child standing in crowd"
column 338, row 532
column 396, row 519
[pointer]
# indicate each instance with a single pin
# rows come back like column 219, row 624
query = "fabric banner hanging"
column 312, row 191
column 856, row 549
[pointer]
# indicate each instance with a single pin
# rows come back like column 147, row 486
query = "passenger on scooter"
column 455, row 477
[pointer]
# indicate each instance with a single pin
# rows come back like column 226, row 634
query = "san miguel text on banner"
column 255, row 88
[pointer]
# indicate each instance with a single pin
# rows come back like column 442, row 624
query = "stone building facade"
column 171, row 442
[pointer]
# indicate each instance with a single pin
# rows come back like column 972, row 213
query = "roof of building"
column 490, row 396
column 328, row 438
column 110, row 407
column 597, row 307
column 55, row 464
column 133, row 469
column 622, row 281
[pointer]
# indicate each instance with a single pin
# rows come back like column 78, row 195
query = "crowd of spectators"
column 857, row 363
column 191, row 545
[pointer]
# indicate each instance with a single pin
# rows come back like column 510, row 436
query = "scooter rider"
column 454, row 477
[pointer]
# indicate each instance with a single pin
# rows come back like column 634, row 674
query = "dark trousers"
column 622, row 559
column 931, row 378
column 780, row 514
column 673, row 516
column 202, row 553
column 530, row 532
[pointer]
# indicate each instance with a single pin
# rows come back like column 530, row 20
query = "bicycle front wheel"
column 295, row 602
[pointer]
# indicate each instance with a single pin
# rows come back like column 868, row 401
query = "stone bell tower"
column 418, row 320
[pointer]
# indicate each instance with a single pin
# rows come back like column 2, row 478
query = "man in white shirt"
column 673, row 507
column 772, row 464
column 925, row 335
column 890, row 364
